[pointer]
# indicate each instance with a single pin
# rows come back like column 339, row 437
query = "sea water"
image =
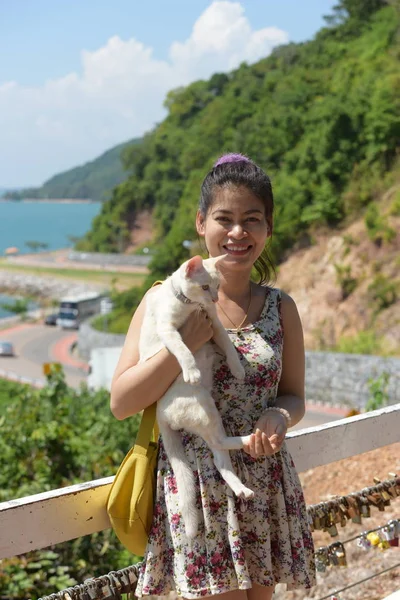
column 51, row 223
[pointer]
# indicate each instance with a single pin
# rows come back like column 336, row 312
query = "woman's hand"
column 196, row 330
column 269, row 434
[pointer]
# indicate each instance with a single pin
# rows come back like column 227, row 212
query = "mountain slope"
column 347, row 285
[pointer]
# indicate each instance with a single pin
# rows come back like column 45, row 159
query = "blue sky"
column 79, row 76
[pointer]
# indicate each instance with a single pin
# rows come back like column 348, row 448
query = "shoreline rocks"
column 42, row 286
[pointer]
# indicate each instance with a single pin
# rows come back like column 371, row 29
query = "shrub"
column 395, row 206
column 382, row 293
column 345, row 280
column 51, row 438
column 377, row 226
column 378, row 389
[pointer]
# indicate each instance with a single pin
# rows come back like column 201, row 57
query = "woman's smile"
column 237, row 249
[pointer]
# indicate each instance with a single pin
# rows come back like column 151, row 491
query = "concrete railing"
column 41, row 520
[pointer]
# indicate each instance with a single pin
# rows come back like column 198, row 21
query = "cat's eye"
column 205, row 287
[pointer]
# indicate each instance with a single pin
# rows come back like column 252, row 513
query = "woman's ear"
column 200, row 224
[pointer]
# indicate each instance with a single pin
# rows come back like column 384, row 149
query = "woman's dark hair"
column 238, row 170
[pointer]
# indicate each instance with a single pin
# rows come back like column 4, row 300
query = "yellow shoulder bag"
column 130, row 502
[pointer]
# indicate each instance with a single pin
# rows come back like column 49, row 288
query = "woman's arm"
column 271, row 427
column 138, row 385
column 291, row 394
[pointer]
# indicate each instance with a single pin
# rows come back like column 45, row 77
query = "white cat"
column 193, row 286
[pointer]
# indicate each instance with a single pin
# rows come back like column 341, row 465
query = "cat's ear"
column 193, row 265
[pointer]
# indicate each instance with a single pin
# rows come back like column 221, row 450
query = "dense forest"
column 94, row 180
column 322, row 118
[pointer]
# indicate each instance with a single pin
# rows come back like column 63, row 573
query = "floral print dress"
column 264, row 540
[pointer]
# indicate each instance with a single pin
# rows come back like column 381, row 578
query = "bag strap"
column 148, row 425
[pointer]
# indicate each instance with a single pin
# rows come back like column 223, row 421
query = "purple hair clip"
column 230, row 158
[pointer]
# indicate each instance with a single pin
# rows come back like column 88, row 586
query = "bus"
column 75, row 309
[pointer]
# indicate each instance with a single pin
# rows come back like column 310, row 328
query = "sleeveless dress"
column 265, row 540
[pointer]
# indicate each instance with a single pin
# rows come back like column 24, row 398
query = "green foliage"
column 365, row 342
column 115, row 322
column 51, row 438
column 378, row 389
column 382, row 293
column 7, row 391
column 395, row 206
column 345, row 280
column 377, row 226
column 19, row 306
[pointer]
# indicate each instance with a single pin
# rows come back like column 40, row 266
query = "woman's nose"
column 237, row 230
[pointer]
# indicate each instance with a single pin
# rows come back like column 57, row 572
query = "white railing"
column 64, row 514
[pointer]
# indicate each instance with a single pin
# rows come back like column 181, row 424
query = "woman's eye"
column 222, row 219
column 205, row 287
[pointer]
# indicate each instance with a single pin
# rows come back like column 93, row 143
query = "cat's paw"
column 238, row 371
column 191, row 375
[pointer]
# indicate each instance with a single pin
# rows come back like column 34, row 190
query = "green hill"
column 322, row 118
column 94, row 180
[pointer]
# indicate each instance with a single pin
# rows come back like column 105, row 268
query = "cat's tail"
column 233, row 443
column 185, row 481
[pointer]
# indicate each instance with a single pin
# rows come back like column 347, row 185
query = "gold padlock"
column 331, row 526
column 341, row 554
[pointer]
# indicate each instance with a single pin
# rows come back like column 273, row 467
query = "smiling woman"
column 243, row 546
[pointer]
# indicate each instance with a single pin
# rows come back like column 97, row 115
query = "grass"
column 119, row 279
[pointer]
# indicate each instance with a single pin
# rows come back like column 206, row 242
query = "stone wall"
column 342, row 379
column 89, row 338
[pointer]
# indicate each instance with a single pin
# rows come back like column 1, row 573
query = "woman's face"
column 235, row 225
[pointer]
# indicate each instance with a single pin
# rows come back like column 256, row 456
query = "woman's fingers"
column 260, row 445
column 280, row 431
column 275, row 443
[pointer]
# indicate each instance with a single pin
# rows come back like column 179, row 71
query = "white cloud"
column 118, row 94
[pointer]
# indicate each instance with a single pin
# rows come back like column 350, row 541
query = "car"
column 6, row 349
column 51, row 319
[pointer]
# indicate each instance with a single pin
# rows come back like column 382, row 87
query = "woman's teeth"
column 236, row 249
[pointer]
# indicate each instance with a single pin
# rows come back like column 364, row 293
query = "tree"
column 35, row 246
column 19, row 307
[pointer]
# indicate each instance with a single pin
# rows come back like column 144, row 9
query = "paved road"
column 35, row 345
